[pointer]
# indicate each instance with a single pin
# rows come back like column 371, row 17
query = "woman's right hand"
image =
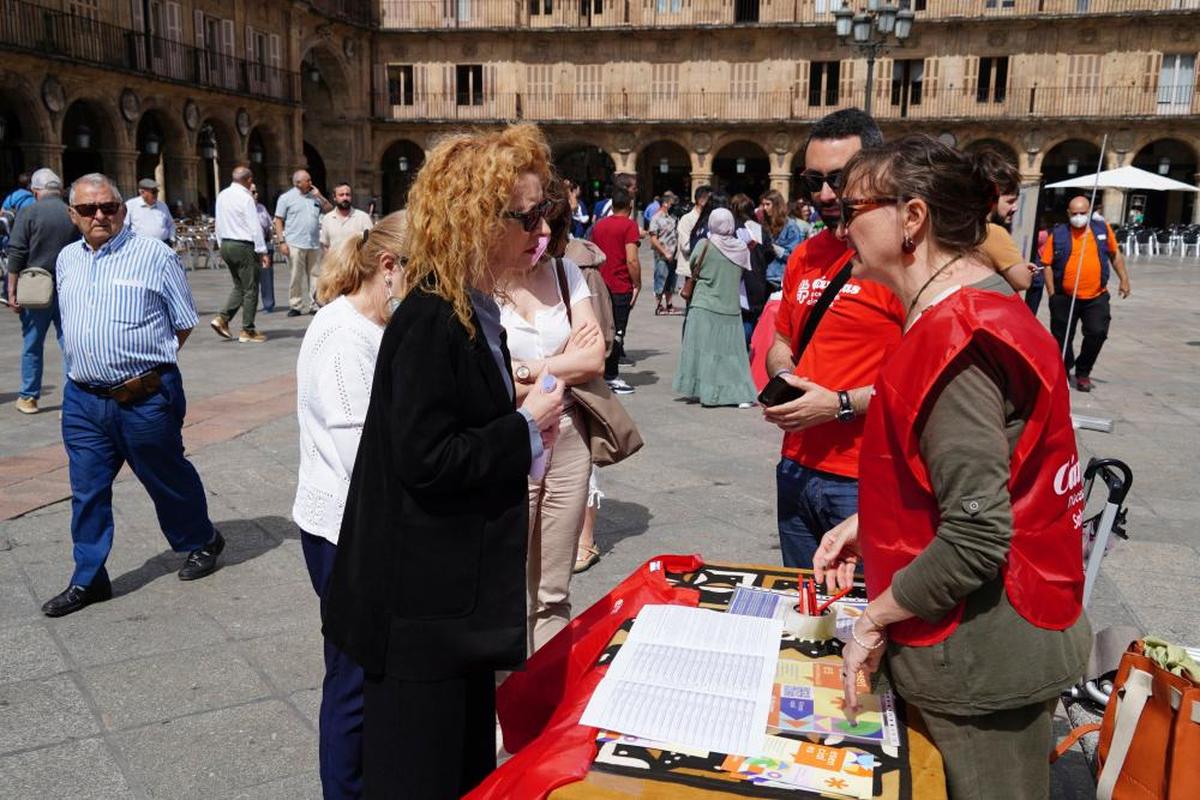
column 546, row 407
column 585, row 336
column 837, row 556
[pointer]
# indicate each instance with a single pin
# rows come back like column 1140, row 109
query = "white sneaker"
column 619, row 386
column 745, row 405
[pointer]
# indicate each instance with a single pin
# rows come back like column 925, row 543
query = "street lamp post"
column 869, row 31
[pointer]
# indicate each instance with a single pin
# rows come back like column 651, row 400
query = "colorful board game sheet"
column 807, row 699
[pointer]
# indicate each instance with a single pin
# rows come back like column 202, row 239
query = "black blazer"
column 429, row 579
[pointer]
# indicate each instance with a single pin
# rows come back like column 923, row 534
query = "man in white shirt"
column 149, row 216
column 244, row 251
column 344, row 221
column 687, row 223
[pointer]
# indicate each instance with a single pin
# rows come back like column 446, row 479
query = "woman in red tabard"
column 969, row 512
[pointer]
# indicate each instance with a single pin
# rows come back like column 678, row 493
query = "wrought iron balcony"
column 893, row 101
column 592, row 14
column 31, row 28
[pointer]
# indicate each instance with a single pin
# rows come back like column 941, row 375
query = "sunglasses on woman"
column 533, row 217
column 90, row 209
column 851, row 207
column 813, row 182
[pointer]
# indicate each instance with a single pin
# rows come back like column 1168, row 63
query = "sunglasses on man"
column 90, row 209
column 812, row 182
column 533, row 217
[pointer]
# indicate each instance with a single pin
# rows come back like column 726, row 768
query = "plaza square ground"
column 210, row 689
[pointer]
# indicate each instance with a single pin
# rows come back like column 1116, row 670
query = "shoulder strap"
column 561, row 272
column 822, row 305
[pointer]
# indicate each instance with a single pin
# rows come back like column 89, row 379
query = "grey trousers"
column 243, row 265
column 1003, row 755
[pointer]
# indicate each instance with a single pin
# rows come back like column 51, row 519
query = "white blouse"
column 551, row 329
column 333, row 388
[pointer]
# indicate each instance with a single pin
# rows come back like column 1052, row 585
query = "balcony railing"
column 354, row 11
column 436, row 14
column 892, row 102
column 36, row 29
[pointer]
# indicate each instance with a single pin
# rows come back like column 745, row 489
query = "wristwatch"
column 845, row 411
column 523, row 374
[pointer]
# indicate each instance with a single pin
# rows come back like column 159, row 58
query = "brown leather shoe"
column 252, row 336
column 221, row 326
column 27, row 405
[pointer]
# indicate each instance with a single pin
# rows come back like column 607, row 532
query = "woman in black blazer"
column 428, row 590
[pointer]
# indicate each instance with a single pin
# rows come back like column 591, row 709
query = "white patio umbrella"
column 1125, row 178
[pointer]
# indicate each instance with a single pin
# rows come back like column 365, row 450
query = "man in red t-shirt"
column 618, row 236
column 817, row 476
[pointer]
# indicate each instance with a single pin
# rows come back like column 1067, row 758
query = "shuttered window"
column 824, row 78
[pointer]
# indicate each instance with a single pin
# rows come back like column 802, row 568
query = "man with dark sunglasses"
column 126, row 311
column 817, row 476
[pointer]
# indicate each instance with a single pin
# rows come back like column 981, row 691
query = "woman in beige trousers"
column 543, row 334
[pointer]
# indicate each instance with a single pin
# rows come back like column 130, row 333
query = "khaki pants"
column 556, row 505
column 1003, row 755
column 304, row 264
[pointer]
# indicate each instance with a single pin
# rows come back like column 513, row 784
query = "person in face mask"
column 333, row 386
column 344, row 221
column 543, row 335
column 1080, row 256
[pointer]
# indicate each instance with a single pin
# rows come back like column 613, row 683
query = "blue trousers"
column 266, row 287
column 100, row 436
column 808, row 504
column 34, row 327
column 1033, row 295
column 341, row 718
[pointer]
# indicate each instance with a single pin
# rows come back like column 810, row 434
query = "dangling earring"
column 387, row 281
column 908, row 245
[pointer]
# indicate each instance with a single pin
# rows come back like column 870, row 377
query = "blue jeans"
column 100, row 435
column 266, row 287
column 341, row 718
column 34, row 327
column 1033, row 295
column 664, row 275
column 808, row 504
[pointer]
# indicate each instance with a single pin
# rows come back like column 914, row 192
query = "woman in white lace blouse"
column 333, row 389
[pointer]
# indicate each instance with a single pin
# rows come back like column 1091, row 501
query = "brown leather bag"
column 689, row 283
column 612, row 434
column 1150, row 738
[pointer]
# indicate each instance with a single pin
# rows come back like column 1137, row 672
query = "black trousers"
column 1095, row 316
column 621, row 308
column 428, row 741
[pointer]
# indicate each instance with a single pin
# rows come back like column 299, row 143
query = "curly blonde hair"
column 456, row 207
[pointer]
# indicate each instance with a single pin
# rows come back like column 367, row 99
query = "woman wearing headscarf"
column 713, row 365
column 428, row 588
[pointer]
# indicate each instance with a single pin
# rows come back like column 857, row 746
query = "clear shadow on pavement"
column 245, row 540
column 620, row 520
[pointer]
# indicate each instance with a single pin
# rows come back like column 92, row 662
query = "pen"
column 822, row 608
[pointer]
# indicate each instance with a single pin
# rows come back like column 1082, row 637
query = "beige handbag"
column 612, row 434
column 35, row 288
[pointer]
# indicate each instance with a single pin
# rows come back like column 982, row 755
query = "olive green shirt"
column 718, row 280
column 994, row 659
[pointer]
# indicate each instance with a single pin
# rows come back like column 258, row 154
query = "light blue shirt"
column 153, row 221
column 121, row 306
column 301, row 215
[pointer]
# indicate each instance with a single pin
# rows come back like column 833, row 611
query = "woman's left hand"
column 858, row 659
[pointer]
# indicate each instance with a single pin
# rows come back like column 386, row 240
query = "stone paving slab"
column 211, row 689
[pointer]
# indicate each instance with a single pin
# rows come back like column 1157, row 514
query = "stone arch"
column 1173, row 158
column 399, row 165
column 1064, row 159
column 741, row 165
column 90, row 138
column 24, row 130
column 161, row 145
column 587, row 164
column 1001, row 147
column 216, row 146
column 653, row 180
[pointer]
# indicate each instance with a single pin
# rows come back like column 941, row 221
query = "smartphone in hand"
column 778, row 391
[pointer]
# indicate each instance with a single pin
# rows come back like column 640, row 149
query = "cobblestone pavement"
column 210, row 689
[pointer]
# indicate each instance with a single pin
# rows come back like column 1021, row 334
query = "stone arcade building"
column 679, row 91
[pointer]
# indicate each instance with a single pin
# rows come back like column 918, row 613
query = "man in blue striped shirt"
column 126, row 310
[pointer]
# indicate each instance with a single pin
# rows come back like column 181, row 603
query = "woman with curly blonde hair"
column 428, row 589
